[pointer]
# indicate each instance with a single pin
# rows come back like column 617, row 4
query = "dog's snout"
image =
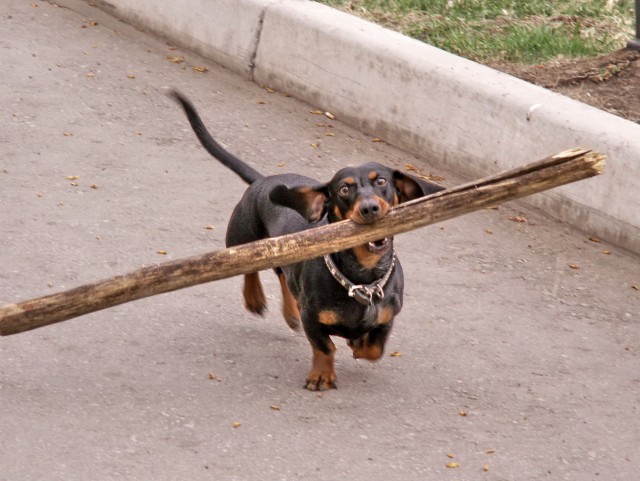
column 370, row 209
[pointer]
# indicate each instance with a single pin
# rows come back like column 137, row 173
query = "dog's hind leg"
column 254, row 298
column 290, row 308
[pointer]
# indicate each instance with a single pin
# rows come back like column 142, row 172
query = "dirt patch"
column 609, row 82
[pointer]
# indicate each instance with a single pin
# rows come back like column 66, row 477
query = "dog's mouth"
column 379, row 246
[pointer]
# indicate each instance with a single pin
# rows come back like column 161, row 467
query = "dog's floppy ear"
column 310, row 201
column 410, row 187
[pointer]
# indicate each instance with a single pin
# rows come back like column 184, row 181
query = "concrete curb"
column 446, row 109
column 226, row 31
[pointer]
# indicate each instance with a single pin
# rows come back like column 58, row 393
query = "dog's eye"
column 344, row 190
column 381, row 181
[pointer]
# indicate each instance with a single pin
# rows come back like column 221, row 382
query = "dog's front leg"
column 370, row 346
column 322, row 375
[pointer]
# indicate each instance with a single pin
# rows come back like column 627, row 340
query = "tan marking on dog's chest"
column 385, row 315
column 365, row 257
column 328, row 318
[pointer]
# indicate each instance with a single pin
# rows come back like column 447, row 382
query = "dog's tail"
column 246, row 173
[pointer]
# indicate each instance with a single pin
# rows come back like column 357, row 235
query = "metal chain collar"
column 363, row 293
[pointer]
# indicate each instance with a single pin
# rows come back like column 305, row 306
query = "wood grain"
column 553, row 171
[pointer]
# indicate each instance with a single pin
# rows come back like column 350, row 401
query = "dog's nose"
column 369, row 210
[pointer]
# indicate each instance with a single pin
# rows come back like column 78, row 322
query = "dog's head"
column 363, row 194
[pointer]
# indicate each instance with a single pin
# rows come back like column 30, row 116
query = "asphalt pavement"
column 516, row 356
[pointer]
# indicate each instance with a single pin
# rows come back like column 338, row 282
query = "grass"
column 520, row 32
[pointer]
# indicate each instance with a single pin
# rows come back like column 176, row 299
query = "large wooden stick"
column 563, row 168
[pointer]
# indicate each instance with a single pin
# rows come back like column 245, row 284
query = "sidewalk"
column 516, row 352
column 455, row 113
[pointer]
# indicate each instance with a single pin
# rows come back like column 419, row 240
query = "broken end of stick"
column 572, row 153
column 7, row 313
column 597, row 161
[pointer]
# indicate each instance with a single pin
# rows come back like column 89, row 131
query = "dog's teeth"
column 378, row 245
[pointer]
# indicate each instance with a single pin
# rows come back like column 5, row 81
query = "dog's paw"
column 363, row 349
column 320, row 380
column 256, row 304
column 256, row 307
column 290, row 307
column 254, row 298
column 293, row 322
column 291, row 314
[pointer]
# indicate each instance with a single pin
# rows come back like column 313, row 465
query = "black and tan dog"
column 354, row 294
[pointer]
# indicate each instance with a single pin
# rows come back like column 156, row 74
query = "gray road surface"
column 518, row 347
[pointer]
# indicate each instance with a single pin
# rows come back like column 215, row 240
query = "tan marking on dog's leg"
column 254, row 298
column 370, row 352
column 362, row 349
column 322, row 374
column 290, row 308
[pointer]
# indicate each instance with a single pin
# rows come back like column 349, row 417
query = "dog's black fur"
column 287, row 203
